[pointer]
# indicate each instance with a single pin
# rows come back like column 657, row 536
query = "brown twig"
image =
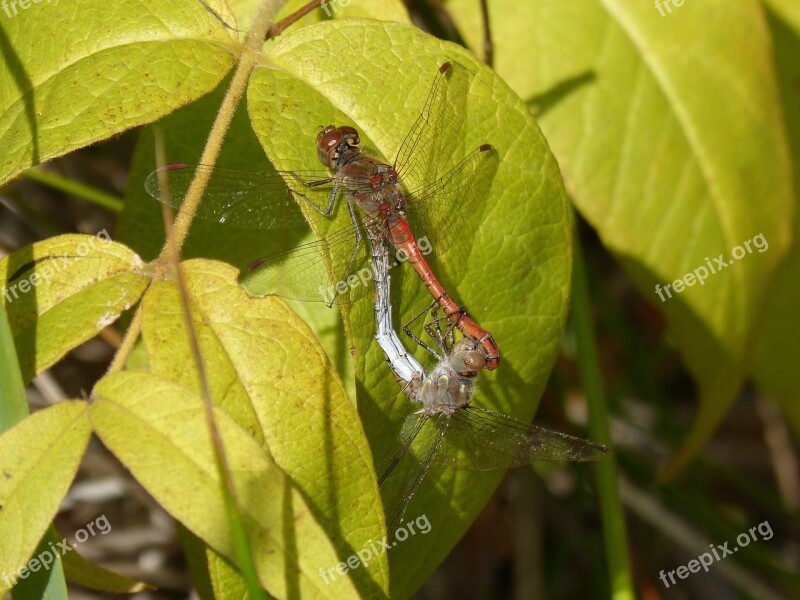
column 278, row 27
column 488, row 46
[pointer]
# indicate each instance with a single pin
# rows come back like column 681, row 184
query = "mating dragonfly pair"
column 416, row 195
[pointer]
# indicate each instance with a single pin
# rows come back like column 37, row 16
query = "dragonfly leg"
column 446, row 340
column 328, row 210
column 413, row 336
column 349, row 268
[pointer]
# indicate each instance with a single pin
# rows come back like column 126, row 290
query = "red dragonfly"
column 419, row 194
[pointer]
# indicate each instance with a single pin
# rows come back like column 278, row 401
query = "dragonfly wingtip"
column 254, row 265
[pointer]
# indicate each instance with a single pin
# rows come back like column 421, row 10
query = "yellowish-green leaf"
column 669, row 132
column 512, row 273
column 213, row 576
column 157, row 429
column 225, row 580
column 89, row 575
column 114, row 67
column 778, row 346
column 267, row 371
column 64, row 290
column 38, row 460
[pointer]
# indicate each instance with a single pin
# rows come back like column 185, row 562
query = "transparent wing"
column 249, row 199
column 304, row 273
column 429, row 440
column 433, row 139
column 438, row 210
column 483, row 440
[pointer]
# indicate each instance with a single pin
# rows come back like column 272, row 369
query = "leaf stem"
column 76, row 189
column 488, row 46
column 615, row 538
column 236, row 89
column 241, row 544
column 128, row 342
column 178, row 233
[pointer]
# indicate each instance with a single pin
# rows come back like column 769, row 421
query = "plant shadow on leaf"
column 541, row 103
column 25, row 85
column 22, row 312
column 184, row 132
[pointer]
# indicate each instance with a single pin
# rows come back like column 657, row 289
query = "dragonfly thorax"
column 445, row 391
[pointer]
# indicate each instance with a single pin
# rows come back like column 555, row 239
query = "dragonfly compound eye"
column 328, row 141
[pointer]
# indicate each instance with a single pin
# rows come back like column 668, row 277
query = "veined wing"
column 429, row 440
column 484, row 440
column 434, row 137
column 249, row 199
column 438, row 210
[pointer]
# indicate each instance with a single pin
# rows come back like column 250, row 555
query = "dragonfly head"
column 465, row 359
column 337, row 145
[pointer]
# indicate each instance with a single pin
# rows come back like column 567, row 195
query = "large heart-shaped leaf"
column 669, row 133
column 513, row 273
column 115, row 67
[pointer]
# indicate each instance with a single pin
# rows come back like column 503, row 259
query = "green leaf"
column 146, row 433
column 226, row 581
column 512, row 273
column 669, row 132
column 63, row 291
column 212, row 575
column 46, row 584
column 265, row 369
column 779, row 341
column 38, row 460
column 112, row 69
column 92, row 576
column 14, row 405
